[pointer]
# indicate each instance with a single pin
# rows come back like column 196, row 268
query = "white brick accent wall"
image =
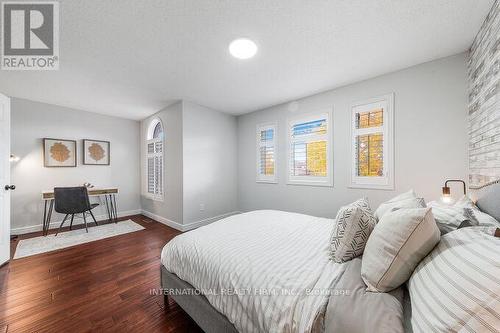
column 484, row 101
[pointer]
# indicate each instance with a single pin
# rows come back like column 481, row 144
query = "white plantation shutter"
column 155, row 161
column 151, row 177
column 372, row 143
column 266, row 153
column 309, row 150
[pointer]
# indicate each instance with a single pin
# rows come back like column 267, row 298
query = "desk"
column 109, row 196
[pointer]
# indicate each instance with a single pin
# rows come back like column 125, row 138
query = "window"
column 154, row 158
column 372, row 143
column 309, row 150
column 266, row 153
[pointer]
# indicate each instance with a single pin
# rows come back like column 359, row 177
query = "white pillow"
column 405, row 200
column 351, row 230
column 397, row 244
column 456, row 287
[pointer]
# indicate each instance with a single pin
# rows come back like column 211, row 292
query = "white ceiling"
column 130, row 58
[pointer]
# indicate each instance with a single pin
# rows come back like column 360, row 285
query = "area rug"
column 42, row 244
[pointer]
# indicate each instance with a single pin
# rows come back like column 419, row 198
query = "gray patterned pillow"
column 351, row 229
column 449, row 218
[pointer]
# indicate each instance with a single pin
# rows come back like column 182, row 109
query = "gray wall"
column 32, row 121
column 484, row 102
column 210, row 163
column 430, row 139
column 171, row 207
column 200, row 166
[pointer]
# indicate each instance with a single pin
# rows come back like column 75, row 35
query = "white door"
column 4, row 179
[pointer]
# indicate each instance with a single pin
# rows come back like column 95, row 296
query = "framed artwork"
column 96, row 152
column 59, row 153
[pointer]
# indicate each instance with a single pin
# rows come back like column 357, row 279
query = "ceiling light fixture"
column 242, row 48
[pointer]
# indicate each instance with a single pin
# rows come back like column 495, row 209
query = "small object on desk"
column 497, row 232
column 88, row 185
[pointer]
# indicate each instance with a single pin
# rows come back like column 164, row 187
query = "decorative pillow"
column 481, row 217
column 353, row 225
column 488, row 200
column 406, row 200
column 397, row 244
column 357, row 310
column 456, row 287
column 449, row 218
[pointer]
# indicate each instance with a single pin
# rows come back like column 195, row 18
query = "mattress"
column 266, row 271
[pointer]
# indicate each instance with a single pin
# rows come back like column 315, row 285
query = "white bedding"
column 267, row 251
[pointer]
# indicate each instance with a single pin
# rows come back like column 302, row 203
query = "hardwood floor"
column 102, row 286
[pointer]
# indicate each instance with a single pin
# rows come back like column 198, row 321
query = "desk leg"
column 107, row 207
column 112, row 208
column 115, row 208
column 49, row 216
column 44, row 217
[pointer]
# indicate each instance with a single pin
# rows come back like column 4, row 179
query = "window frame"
column 326, row 181
column 149, row 139
column 386, row 182
column 260, row 178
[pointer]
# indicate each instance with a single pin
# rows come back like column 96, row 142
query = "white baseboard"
column 189, row 226
column 200, row 223
column 77, row 220
column 163, row 220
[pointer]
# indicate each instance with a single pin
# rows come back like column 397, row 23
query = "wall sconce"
column 446, row 189
column 13, row 158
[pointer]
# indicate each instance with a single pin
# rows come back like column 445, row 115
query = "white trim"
column 189, row 226
column 264, row 178
column 163, row 220
column 385, row 182
column 151, row 128
column 312, row 180
column 200, row 223
column 76, row 221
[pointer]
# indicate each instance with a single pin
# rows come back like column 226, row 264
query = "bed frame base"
column 197, row 306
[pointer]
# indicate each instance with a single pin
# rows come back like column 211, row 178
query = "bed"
column 230, row 283
column 262, row 254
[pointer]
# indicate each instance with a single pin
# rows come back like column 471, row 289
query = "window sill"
column 310, row 183
column 154, row 198
column 265, row 181
column 389, row 187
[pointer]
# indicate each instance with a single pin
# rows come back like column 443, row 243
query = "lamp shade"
column 446, row 191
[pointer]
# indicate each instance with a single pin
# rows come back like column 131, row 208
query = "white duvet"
column 266, row 271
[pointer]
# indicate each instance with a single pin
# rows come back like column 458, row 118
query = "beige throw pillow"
column 400, row 240
column 351, row 230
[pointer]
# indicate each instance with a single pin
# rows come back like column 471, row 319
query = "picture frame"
column 96, row 152
column 59, row 153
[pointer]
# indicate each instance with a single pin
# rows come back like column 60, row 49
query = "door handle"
column 10, row 187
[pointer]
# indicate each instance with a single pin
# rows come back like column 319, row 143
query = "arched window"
column 154, row 155
column 155, row 129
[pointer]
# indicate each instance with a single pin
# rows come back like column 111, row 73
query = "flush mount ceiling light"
column 242, row 48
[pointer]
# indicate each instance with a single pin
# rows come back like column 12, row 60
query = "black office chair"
column 71, row 201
